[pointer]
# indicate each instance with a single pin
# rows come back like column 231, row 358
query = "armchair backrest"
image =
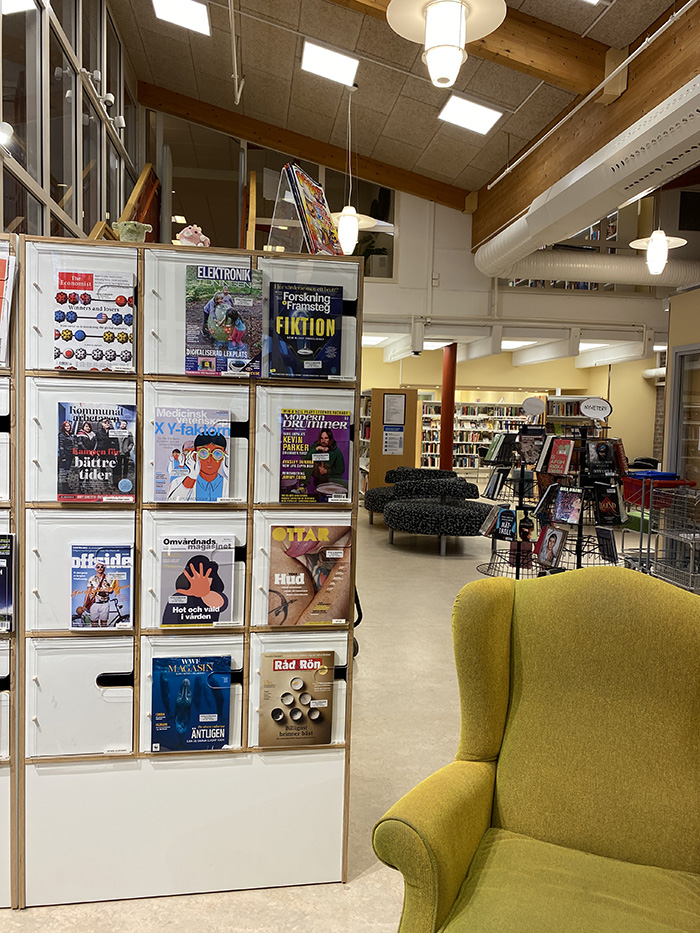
column 586, row 688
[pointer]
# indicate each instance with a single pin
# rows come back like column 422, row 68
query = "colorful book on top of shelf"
column 296, row 699
column 196, row 580
column 310, row 575
column 560, row 453
column 601, row 457
column 544, row 454
column 621, row 460
column 489, row 522
column 94, row 321
column 101, row 586
column 607, row 545
column 550, row 545
column 191, row 457
column 568, row 504
column 505, row 528
column 544, row 510
column 223, row 320
column 96, row 453
column 315, row 455
column 190, row 703
column 305, row 329
column 7, row 582
column 320, row 234
column 609, row 504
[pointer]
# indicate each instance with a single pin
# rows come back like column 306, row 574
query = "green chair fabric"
column 578, row 768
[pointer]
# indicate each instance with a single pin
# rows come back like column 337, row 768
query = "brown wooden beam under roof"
column 658, row 72
column 301, row 147
column 529, row 45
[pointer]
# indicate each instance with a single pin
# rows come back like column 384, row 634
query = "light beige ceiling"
column 395, row 108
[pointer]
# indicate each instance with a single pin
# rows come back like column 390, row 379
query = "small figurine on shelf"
column 192, row 236
column 131, row 231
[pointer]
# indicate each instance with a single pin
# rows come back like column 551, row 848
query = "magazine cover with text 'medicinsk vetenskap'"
column 191, row 456
column 223, row 320
column 305, row 329
column 315, row 455
column 191, row 701
column 196, row 580
column 96, row 453
column 101, row 586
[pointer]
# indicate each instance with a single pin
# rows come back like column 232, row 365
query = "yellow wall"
column 633, row 399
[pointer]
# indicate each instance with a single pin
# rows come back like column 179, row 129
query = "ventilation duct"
column 574, row 266
column 661, row 145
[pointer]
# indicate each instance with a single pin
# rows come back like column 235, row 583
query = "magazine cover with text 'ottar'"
column 305, row 329
column 100, row 586
column 196, row 580
column 315, row 455
column 96, row 453
column 296, row 699
column 190, row 703
column 191, row 454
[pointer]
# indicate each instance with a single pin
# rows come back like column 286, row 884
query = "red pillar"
column 447, row 408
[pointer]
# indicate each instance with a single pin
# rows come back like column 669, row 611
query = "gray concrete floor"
column 405, row 726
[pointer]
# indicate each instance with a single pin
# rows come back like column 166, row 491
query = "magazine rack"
column 86, row 776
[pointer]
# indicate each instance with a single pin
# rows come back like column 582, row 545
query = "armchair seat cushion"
column 517, row 884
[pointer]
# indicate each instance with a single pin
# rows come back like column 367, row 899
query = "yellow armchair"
column 574, row 800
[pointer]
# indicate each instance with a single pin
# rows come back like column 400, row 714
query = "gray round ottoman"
column 433, row 517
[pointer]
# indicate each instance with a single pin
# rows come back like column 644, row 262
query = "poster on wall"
column 223, row 320
column 296, row 699
column 96, row 453
column 190, row 703
column 101, row 586
column 191, row 457
column 305, row 329
column 309, row 575
column 94, row 321
column 315, row 455
column 196, row 580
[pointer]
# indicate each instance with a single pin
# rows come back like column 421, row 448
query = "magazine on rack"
column 305, row 329
column 556, row 455
column 190, row 703
column 310, row 575
column 296, row 699
column 609, row 504
column 196, row 580
column 191, row 457
column 315, row 455
column 8, row 265
column 317, row 224
column 94, row 321
column 7, row 582
column 223, row 320
column 567, row 505
column 520, row 550
column 530, row 442
column 101, row 586
column 607, row 545
column 550, row 545
column 601, row 457
column 96, row 453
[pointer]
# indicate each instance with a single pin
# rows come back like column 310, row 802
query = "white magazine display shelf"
column 87, row 769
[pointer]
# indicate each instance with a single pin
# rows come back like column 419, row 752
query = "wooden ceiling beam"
column 528, row 45
column 298, row 146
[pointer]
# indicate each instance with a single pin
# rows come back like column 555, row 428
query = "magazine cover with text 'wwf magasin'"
column 190, row 703
column 96, row 453
column 305, row 329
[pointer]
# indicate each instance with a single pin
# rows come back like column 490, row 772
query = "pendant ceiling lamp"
column 444, row 27
column 657, row 246
column 348, row 221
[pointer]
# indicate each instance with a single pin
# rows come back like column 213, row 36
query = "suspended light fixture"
column 444, row 27
column 348, row 221
column 657, row 246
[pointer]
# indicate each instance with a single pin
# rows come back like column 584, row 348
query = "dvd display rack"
column 185, row 725
column 475, row 425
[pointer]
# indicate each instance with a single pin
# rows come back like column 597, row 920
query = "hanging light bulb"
column 6, row 131
column 657, row 246
column 348, row 229
column 445, row 37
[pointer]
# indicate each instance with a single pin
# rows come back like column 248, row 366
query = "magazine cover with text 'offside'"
column 101, row 586
column 190, row 703
column 7, row 582
column 96, row 453
column 196, row 580
column 223, row 320
column 94, row 321
column 310, row 575
column 315, row 455
column 191, row 456
column 305, row 329
column 296, row 699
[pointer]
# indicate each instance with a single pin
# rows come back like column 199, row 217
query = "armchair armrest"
column 431, row 836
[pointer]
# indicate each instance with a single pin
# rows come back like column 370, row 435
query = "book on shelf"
column 196, row 580
column 607, row 546
column 305, row 329
column 601, row 457
column 609, row 504
column 310, row 575
column 101, row 586
column 296, row 699
column 530, row 442
column 621, row 461
column 94, row 321
column 504, row 445
column 550, row 545
column 568, row 505
column 191, row 456
column 556, row 455
column 223, row 320
column 544, row 510
column 96, row 453
column 495, row 482
column 7, row 582
column 489, row 522
column 315, row 455
column 190, row 703
column 520, row 551
column 320, row 234
column 505, row 528
column 8, row 268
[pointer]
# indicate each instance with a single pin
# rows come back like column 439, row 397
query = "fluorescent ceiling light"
column 516, row 344
column 660, row 347
column 591, row 346
column 17, row 6
column 327, row 63
column 178, row 219
column 372, row 340
column 592, row 2
column 186, row 13
column 471, row 116
column 436, row 344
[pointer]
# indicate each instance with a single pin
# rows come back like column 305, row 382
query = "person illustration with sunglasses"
column 206, row 482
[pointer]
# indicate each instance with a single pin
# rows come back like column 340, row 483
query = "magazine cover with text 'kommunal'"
column 315, row 455
column 96, row 453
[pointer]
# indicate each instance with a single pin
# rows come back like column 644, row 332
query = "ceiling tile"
column 396, row 153
column 574, row 16
column 425, row 91
column 501, row 85
column 310, row 123
column 212, row 54
column 218, row 93
column 267, row 48
column 377, row 88
column 515, row 4
column 472, row 178
column 466, row 73
column 281, row 11
column 380, row 41
column 219, row 17
column 501, row 148
column 330, row 23
column 621, row 26
column 446, row 155
column 545, row 104
column 266, row 97
column 315, row 93
column 367, row 126
column 171, row 62
column 412, row 122
column 140, row 63
column 429, row 173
